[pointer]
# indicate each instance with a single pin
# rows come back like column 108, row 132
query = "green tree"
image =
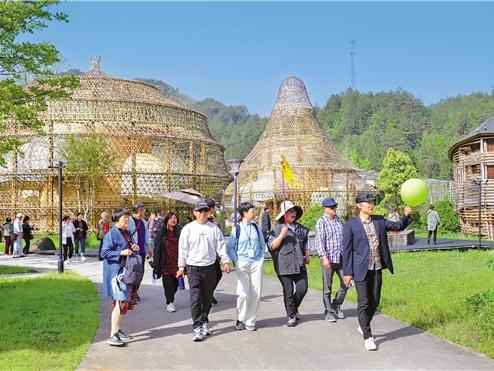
column 27, row 76
column 432, row 156
column 397, row 168
column 86, row 160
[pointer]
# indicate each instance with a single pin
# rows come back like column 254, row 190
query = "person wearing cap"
column 288, row 245
column 117, row 243
column 139, row 232
column 200, row 243
column 18, row 236
column 329, row 245
column 365, row 254
column 246, row 248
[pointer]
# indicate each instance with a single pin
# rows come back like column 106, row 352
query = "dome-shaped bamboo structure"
column 294, row 133
column 159, row 145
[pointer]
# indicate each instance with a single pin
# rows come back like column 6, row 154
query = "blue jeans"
column 82, row 244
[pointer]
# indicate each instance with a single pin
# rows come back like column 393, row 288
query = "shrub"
column 482, row 305
column 310, row 217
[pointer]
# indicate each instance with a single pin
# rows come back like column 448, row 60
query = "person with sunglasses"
column 329, row 245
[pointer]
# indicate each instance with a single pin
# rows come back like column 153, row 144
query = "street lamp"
column 234, row 171
column 479, row 181
column 59, row 166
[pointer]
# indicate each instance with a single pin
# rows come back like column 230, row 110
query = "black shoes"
column 239, row 326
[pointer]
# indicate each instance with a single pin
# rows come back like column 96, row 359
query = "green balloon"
column 414, row 192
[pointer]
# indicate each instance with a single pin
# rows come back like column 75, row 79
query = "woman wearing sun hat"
column 288, row 244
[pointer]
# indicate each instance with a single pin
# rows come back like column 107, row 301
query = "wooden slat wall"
column 471, row 161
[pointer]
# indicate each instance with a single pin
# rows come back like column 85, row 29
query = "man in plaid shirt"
column 329, row 244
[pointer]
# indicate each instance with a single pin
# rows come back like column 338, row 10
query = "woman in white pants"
column 18, row 236
column 246, row 248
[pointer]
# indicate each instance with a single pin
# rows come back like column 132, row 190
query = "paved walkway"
column 164, row 340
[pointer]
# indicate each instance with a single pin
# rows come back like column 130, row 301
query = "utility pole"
column 352, row 64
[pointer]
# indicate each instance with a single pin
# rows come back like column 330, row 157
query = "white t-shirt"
column 200, row 244
column 68, row 231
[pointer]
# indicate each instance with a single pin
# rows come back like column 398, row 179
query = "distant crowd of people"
column 356, row 252
column 17, row 235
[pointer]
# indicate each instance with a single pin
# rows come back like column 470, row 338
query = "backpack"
column 132, row 270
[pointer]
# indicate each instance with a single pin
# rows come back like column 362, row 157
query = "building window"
column 490, row 145
column 490, row 171
column 475, row 147
column 472, row 170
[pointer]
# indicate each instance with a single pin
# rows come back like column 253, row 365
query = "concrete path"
column 164, row 340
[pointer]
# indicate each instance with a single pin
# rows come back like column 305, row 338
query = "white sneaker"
column 370, row 344
column 205, row 330
column 171, row 308
column 83, row 258
column 68, row 261
column 339, row 313
column 198, row 334
column 359, row 329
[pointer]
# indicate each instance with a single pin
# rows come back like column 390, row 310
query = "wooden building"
column 473, row 179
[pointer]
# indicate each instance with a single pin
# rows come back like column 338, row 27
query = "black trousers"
column 219, row 272
column 68, row 247
column 170, row 286
column 294, row 290
column 368, row 298
column 8, row 245
column 202, row 282
column 327, row 287
column 27, row 245
column 430, row 234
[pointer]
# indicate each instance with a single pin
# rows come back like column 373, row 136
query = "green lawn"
column 6, row 269
column 47, row 322
column 434, row 291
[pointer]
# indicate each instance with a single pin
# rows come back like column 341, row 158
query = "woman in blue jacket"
column 116, row 244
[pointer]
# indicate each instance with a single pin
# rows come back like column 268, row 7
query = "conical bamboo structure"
column 293, row 132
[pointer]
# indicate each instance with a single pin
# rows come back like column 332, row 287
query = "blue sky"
column 239, row 53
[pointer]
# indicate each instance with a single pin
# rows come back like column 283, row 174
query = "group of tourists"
column 356, row 252
column 17, row 235
column 74, row 236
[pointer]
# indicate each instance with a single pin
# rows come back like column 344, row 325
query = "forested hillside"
column 362, row 125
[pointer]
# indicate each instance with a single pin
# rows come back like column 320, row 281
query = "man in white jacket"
column 200, row 243
column 18, row 236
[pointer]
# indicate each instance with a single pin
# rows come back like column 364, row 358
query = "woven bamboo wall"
column 160, row 146
column 294, row 132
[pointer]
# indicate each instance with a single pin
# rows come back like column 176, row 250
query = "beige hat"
column 288, row 205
